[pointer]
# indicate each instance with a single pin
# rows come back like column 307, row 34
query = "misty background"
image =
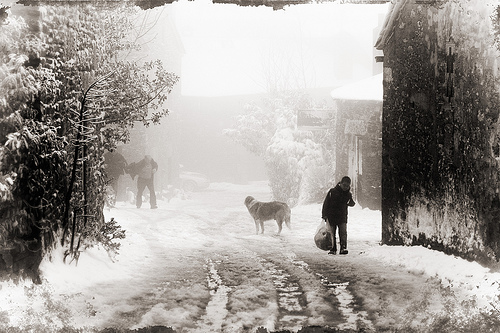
column 228, row 56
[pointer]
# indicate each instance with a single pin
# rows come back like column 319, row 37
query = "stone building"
column 440, row 179
column 358, row 128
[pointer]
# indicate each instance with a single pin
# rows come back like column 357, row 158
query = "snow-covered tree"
column 299, row 164
column 67, row 94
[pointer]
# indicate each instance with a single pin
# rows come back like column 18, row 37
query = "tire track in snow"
column 216, row 310
column 354, row 319
column 291, row 300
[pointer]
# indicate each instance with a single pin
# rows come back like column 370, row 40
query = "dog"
column 265, row 211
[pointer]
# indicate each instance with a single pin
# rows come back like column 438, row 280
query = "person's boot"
column 333, row 252
column 343, row 251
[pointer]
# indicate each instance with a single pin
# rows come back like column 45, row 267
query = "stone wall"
column 440, row 179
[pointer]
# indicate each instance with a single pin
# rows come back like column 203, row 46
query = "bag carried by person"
column 323, row 238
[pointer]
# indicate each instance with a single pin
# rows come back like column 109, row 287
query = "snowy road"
column 197, row 266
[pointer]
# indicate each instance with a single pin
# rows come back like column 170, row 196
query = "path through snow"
column 354, row 319
column 196, row 265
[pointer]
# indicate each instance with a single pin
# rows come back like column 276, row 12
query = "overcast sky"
column 242, row 50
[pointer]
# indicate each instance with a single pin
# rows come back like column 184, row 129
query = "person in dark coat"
column 334, row 212
column 145, row 170
column 115, row 166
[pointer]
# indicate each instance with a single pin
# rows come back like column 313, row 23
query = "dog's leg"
column 256, row 227
column 261, row 226
column 280, row 226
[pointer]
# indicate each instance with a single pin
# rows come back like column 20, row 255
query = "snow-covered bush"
column 108, row 235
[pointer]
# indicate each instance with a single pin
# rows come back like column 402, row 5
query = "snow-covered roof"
column 370, row 89
column 391, row 19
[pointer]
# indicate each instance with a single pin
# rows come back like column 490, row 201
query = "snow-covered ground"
column 164, row 247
